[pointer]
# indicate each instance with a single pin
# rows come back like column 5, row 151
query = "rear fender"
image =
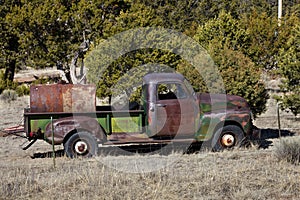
column 65, row 127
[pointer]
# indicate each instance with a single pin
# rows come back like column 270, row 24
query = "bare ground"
column 251, row 173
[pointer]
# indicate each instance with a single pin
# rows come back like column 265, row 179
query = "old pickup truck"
column 170, row 111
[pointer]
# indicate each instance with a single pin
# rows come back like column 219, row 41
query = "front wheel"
column 81, row 144
column 227, row 137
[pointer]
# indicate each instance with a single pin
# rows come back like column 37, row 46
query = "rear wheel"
column 81, row 144
column 227, row 137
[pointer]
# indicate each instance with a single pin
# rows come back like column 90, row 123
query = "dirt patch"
column 268, row 121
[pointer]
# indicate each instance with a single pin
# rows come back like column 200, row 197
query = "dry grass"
column 241, row 174
column 8, row 95
column 288, row 149
column 11, row 113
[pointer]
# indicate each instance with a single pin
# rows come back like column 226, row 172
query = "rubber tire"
column 91, row 142
column 233, row 130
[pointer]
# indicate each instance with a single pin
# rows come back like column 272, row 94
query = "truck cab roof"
column 155, row 78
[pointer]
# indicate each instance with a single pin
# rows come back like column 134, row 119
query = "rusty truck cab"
column 170, row 105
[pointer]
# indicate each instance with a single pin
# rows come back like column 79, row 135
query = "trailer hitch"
column 33, row 137
column 16, row 130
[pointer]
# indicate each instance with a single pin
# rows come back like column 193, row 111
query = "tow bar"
column 15, row 131
column 29, row 145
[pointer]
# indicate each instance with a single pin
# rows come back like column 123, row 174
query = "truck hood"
column 221, row 102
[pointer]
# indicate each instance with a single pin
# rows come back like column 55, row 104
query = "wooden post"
column 278, row 118
column 279, row 12
column 53, row 148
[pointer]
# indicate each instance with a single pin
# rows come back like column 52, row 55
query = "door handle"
column 161, row 105
column 151, row 108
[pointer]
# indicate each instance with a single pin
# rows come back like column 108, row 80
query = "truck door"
column 175, row 110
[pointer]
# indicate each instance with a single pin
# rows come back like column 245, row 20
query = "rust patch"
column 62, row 98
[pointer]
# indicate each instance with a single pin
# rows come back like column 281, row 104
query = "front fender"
column 63, row 126
column 209, row 123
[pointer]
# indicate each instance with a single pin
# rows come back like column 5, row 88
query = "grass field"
column 238, row 174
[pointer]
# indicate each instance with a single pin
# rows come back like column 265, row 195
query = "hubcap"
column 81, row 147
column 227, row 140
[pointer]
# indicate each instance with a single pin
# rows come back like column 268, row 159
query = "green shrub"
column 227, row 43
column 289, row 68
column 9, row 95
column 288, row 150
column 6, row 84
column 23, row 90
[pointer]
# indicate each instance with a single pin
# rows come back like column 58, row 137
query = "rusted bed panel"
column 62, row 98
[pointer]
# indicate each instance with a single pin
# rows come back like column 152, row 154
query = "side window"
column 170, row 91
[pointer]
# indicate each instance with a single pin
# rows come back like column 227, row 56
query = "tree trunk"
column 10, row 70
column 81, row 79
